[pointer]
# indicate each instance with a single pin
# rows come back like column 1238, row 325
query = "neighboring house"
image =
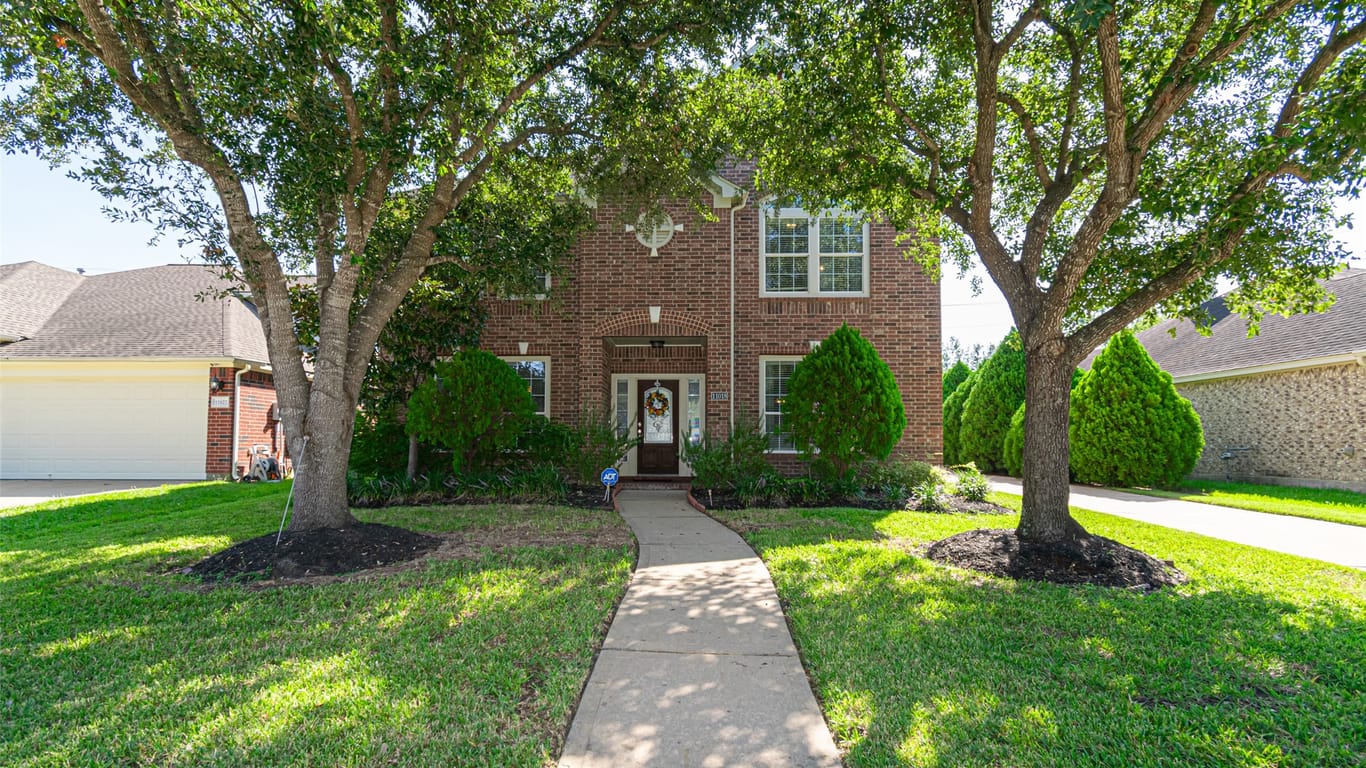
column 129, row 375
column 1285, row 406
column 683, row 326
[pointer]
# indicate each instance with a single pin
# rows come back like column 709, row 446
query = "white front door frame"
column 685, row 427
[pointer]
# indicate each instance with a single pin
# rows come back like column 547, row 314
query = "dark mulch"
column 325, row 552
column 1097, row 560
column 587, row 497
column 725, row 499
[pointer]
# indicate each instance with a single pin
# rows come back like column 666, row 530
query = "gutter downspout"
column 237, row 415
column 730, row 396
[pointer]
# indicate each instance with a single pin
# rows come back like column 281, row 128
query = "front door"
column 658, row 452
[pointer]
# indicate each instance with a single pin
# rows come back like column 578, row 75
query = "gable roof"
column 30, row 293
column 179, row 310
column 1283, row 342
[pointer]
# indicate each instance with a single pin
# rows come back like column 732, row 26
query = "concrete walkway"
column 1331, row 542
column 698, row 668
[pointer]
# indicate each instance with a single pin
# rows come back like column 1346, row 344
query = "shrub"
column 728, row 463
column 595, row 446
column 379, row 490
column 930, row 497
column 953, row 417
column 1012, row 448
column 537, row 483
column 994, row 399
column 843, row 406
column 1128, row 425
column 475, row 405
column 955, row 375
column 895, row 479
column 545, row 442
column 972, row 484
column 379, row 445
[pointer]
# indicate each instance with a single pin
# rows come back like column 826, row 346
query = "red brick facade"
column 255, row 427
column 597, row 321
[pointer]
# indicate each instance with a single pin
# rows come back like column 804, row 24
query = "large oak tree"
column 277, row 132
column 1099, row 158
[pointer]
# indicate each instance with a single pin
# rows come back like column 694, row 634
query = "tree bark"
column 1045, row 520
column 321, row 499
column 411, row 471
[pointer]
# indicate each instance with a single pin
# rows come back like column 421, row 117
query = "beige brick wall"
column 1297, row 423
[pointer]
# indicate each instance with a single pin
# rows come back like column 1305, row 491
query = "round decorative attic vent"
column 654, row 232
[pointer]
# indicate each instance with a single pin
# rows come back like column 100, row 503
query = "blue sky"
column 46, row 216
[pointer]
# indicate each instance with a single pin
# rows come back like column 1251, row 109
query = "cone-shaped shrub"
column 1128, row 424
column 475, row 405
column 953, row 419
column 842, row 403
column 986, row 415
column 955, row 375
column 1012, row 449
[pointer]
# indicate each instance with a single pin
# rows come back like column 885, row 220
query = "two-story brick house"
column 684, row 325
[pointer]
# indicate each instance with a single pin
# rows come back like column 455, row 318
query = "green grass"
column 105, row 659
column 1259, row 661
column 1335, row 506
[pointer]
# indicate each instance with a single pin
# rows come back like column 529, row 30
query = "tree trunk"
column 320, row 494
column 1045, row 520
column 411, row 471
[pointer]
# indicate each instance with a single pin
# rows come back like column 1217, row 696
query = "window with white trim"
column 773, row 375
column 821, row 254
column 536, row 373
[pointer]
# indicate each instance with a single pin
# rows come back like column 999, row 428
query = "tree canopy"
column 1100, row 158
column 280, row 135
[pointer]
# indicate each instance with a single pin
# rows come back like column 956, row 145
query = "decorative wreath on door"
column 656, row 404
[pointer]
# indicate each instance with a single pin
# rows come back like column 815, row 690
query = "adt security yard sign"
column 609, row 477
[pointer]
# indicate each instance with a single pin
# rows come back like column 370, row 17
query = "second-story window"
column 809, row 254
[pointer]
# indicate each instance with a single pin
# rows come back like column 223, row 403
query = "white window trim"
column 534, row 359
column 813, row 255
column 764, row 360
column 540, row 295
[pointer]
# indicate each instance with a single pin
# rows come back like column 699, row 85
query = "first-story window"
column 773, row 375
column 536, row 374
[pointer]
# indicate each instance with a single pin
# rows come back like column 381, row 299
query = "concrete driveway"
column 18, row 493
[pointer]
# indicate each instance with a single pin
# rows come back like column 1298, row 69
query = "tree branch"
column 1031, row 136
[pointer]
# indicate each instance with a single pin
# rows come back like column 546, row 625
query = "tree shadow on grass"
column 106, row 660
column 922, row 664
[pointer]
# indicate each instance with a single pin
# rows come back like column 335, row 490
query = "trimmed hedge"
column 986, row 415
column 843, row 405
column 1129, row 426
column 475, row 405
column 953, row 418
column 955, row 375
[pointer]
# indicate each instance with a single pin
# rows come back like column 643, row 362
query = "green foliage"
column 525, row 484
column 953, row 418
column 955, row 375
column 843, row 406
column 895, row 479
column 731, row 462
column 595, row 445
column 475, row 405
column 1012, row 448
column 971, row 484
column 546, row 442
column 930, row 496
column 999, row 391
column 383, row 490
column 1129, row 426
column 379, row 445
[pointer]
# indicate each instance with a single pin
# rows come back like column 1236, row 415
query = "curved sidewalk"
column 1321, row 540
column 698, row 668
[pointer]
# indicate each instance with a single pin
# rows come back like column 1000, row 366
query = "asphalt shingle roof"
column 1339, row 331
column 29, row 295
column 177, row 310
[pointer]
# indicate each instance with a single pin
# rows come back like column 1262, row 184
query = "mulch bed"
column 579, row 496
column 1098, row 561
column 724, row 499
column 324, row 552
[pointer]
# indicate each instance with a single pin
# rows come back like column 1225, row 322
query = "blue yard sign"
column 609, row 477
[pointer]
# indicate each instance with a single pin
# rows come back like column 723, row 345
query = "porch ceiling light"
column 656, row 343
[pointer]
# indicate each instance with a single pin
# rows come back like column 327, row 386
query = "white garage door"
column 84, row 421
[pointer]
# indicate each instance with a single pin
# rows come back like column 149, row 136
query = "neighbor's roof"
column 1340, row 331
column 179, row 310
column 29, row 294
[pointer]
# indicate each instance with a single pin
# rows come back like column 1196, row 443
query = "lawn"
column 1259, row 661
column 107, row 659
column 1335, row 506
